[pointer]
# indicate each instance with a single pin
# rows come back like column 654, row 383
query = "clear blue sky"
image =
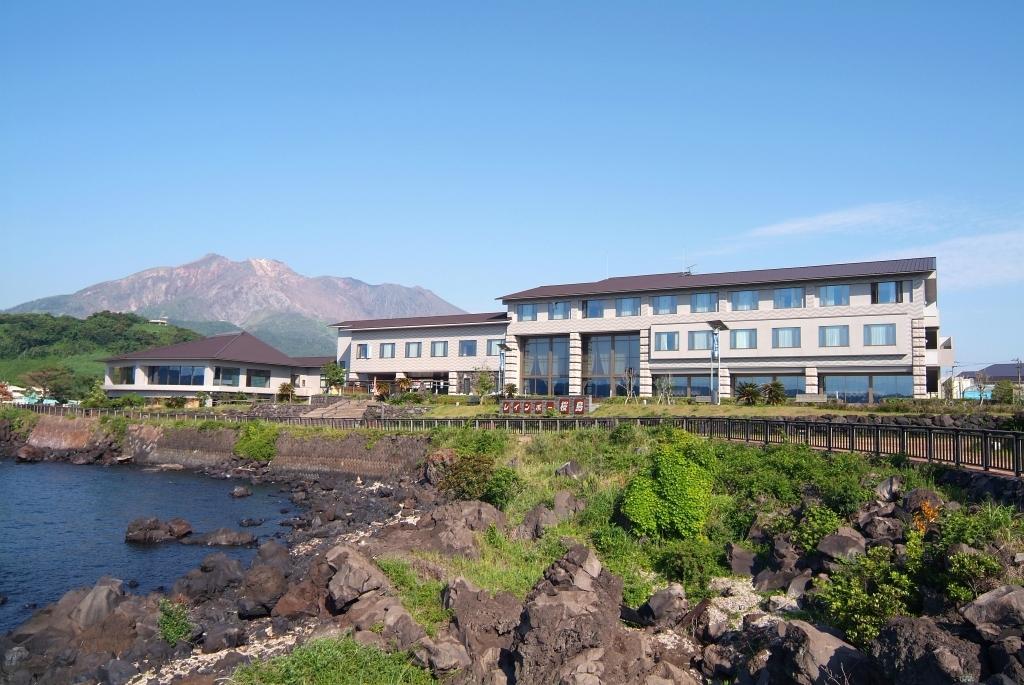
column 408, row 143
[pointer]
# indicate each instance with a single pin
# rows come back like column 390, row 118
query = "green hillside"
column 30, row 342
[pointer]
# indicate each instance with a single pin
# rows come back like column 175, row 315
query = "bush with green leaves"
column 174, row 623
column 674, row 499
column 774, row 393
column 467, row 477
column 989, row 523
column 865, row 594
column 503, row 486
column 969, row 575
column 749, row 393
column 257, row 440
column 816, row 523
column 1003, row 392
column 692, row 562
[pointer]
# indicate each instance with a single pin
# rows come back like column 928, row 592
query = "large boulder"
column 262, row 586
column 889, row 490
column 742, row 561
column 665, row 608
column 354, row 576
column 845, row 543
column 570, row 630
column 997, row 612
column 450, row 529
column 151, row 530
column 484, row 624
column 222, row 537
column 98, row 604
column 915, row 651
column 216, row 573
column 917, row 498
column 805, row 655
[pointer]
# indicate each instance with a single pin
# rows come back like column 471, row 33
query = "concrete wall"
column 357, row 454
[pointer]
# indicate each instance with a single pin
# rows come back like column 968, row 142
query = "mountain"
column 263, row 296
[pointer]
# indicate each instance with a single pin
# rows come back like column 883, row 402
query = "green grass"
column 257, row 440
column 22, row 420
column 420, row 597
column 334, row 662
column 174, row 623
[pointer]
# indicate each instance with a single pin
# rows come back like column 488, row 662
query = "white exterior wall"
column 278, row 375
column 425, row 364
column 906, row 356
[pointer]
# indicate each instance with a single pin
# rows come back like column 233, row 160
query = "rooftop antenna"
column 688, row 270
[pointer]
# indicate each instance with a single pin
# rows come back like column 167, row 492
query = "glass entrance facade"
column 546, row 366
column 793, row 383
column 606, row 361
column 867, row 388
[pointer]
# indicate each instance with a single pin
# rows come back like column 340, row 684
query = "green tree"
column 96, row 397
column 1003, row 392
column 5, row 392
column 748, row 393
column 483, row 382
column 285, row 392
column 334, row 375
column 53, row 381
column 775, row 392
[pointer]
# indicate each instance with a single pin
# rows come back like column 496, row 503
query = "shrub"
column 22, row 421
column 693, row 563
column 968, row 575
column 257, row 440
column 174, row 623
column 334, row 662
column 640, row 505
column 748, row 393
column 174, row 402
column 471, row 441
column 116, row 427
column 421, row 598
column 503, row 486
column 129, row 401
column 774, row 393
column 468, row 476
column 1003, row 392
column 865, row 594
column 990, row 523
column 817, row 522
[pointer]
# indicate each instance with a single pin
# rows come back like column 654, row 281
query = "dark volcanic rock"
column 151, row 530
column 665, row 608
column 570, row 469
column 915, row 651
column 222, row 537
column 807, row 656
column 742, row 561
column 843, row 544
column 216, row 573
column 262, row 586
column 354, row 576
column 998, row 611
column 241, row 491
column 484, row 624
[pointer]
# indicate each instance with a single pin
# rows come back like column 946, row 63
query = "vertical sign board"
column 564, row 406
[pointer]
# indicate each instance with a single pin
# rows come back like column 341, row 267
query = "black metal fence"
column 989, row 450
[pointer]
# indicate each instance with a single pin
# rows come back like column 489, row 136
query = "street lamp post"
column 502, row 349
column 717, row 326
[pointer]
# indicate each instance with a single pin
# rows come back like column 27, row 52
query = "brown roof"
column 675, row 281
column 426, row 321
column 312, row 362
column 229, row 347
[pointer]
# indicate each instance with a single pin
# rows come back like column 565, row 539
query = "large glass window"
column 879, row 334
column 664, row 304
column 785, row 337
column 627, row 306
column 558, row 310
column 387, row 350
column 439, row 348
column 494, row 347
column 833, row 336
column 743, row 338
column 593, row 309
column 467, row 348
column 607, row 360
column 177, row 375
column 789, row 298
column 887, row 292
column 703, row 302
column 794, row 384
column 527, row 312
column 226, row 376
column 413, row 350
column 362, row 351
column 700, row 340
column 684, row 385
column 257, row 378
column 834, row 295
column 744, row 300
column 546, row 366
column 122, row 375
column 867, row 388
column 666, row 342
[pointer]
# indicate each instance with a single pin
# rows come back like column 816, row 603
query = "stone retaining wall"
column 188, row 447
column 64, row 433
column 357, row 454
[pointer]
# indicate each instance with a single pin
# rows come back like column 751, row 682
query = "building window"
column 558, row 310
column 227, row 376
column 467, row 348
column 666, row 342
column 664, row 304
column 833, row 336
column 527, row 312
column 785, row 337
column 546, row 366
column 439, row 348
column 879, row 334
column 593, row 309
column 789, row 298
column 606, row 363
column 122, row 375
column 387, row 350
column 698, row 385
column 887, row 292
column 744, row 300
column 177, row 375
column 494, row 347
column 792, row 383
column 413, row 350
column 701, row 303
column 700, row 340
column 834, row 295
column 743, row 338
column 362, row 351
column 257, row 378
column 627, row 306
column 867, row 388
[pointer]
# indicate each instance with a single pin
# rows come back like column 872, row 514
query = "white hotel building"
column 858, row 331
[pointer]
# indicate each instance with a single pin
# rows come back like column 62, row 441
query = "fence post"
column 828, row 437
column 878, row 439
column 957, row 448
column 1016, row 455
column 903, row 439
column 930, row 445
column 986, row 450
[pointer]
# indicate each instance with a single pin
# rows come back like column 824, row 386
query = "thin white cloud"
column 975, row 261
column 880, row 216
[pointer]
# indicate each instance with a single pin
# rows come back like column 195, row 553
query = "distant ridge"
column 262, row 296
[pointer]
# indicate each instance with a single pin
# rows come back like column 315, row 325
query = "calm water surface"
column 62, row 526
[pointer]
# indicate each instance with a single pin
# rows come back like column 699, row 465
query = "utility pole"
column 1017, row 392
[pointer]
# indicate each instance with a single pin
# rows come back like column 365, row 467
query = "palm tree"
column 748, row 393
column 774, row 392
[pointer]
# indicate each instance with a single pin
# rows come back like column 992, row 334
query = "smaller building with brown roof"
column 224, row 364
